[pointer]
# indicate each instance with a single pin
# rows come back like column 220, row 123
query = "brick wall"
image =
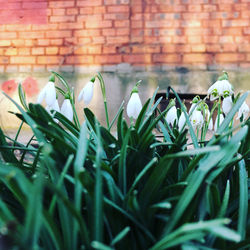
column 37, row 35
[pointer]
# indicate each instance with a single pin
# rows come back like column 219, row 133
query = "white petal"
column 197, row 119
column 55, row 106
column 41, row 95
column 134, row 106
column 244, row 110
column 210, row 125
column 67, row 110
column 86, row 93
column 171, row 115
column 227, row 105
column 50, row 93
column 216, row 121
column 181, row 122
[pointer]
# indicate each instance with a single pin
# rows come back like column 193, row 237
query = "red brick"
column 122, row 31
column 22, row 60
column 108, row 32
column 5, row 43
column 194, row 8
column 244, row 48
column 58, row 34
column 124, row 23
column 229, row 57
column 4, row 59
column 87, row 33
column 57, row 42
column 52, row 50
column 24, row 51
column 99, row 10
column 109, row 59
column 34, row 5
column 43, row 42
column 49, row 59
column 66, row 50
column 209, row 7
column 136, row 24
column 8, row 35
column 17, row 27
column 61, row 4
column 166, row 58
column 118, row 9
column 198, row 48
column 80, row 59
column 72, row 11
column 98, row 24
column 213, row 48
column 37, row 51
column 89, row 3
column 59, row 19
column 197, row 58
column 31, row 34
column 139, row 58
column 226, row 39
column 176, row 48
column 229, row 47
column 58, row 12
column 86, row 10
column 117, row 39
column 99, row 40
column 70, row 26
column 10, row 52
column 106, row 49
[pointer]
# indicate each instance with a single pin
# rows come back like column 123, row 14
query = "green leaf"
column 120, row 236
column 243, row 199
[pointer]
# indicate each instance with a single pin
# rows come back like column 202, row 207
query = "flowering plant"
column 78, row 186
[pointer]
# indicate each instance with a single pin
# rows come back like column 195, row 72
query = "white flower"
column 220, row 88
column 171, row 115
column 134, row 105
column 216, row 121
column 182, row 121
column 48, row 93
column 55, row 107
column 86, row 93
column 67, row 110
column 207, row 116
column 227, row 105
column 244, row 110
column 196, row 119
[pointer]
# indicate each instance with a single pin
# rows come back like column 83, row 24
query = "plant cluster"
column 78, row 186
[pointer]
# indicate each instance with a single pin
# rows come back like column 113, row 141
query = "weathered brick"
column 117, row 39
column 22, row 60
column 51, row 50
column 59, row 19
column 49, row 60
column 61, row 4
column 37, row 51
column 10, row 52
column 23, row 51
column 31, row 34
column 58, row 34
column 166, row 58
column 109, row 59
column 83, row 59
column 58, row 12
column 229, row 57
column 5, row 43
column 197, row 58
column 118, row 9
column 89, row 3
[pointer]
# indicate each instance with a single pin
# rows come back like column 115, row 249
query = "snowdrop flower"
column 243, row 111
column 222, row 87
column 182, row 121
column 207, row 115
column 86, row 93
column 216, row 121
column 194, row 102
column 48, row 92
column 196, row 119
column 134, row 104
column 227, row 105
column 55, row 107
column 67, row 110
column 171, row 116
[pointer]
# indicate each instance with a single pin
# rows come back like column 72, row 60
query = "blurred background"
column 182, row 43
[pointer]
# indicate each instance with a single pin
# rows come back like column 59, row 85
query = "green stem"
column 102, row 84
column 17, row 134
column 75, row 116
column 218, row 119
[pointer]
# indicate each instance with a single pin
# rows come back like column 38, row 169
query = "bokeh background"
column 182, row 43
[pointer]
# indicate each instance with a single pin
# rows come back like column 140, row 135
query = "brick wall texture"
column 36, row 35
